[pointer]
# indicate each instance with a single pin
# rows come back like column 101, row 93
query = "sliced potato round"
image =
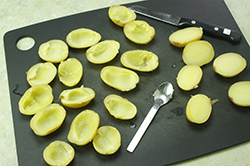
column 119, row 78
column 84, row 127
column 120, row 107
column 239, row 93
column 82, row 38
column 229, row 64
column 77, row 97
column 140, row 60
column 189, row 77
column 41, row 73
column 139, row 32
column 107, row 140
column 198, row 53
column 198, row 109
column 53, row 51
column 103, row 52
column 184, row 36
column 58, row 153
column 70, row 72
column 35, row 99
column 48, row 120
column 121, row 15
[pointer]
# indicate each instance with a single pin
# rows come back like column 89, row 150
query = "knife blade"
column 214, row 30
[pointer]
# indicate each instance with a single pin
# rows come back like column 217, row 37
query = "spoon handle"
column 146, row 122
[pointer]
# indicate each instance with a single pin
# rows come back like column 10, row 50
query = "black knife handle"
column 228, row 34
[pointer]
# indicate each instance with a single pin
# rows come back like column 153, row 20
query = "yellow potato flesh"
column 107, row 140
column 121, row 15
column 82, row 38
column 229, row 64
column 198, row 53
column 77, row 97
column 84, row 127
column 139, row 32
column 35, row 99
column 239, row 93
column 120, row 107
column 70, row 72
column 58, row 153
column 41, row 73
column 198, row 109
column 184, row 36
column 103, row 52
column 119, row 78
column 140, row 60
column 53, row 51
column 48, row 119
column 189, row 77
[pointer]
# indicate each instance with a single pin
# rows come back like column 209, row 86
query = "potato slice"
column 198, row 109
column 239, row 93
column 119, row 78
column 41, row 73
column 184, row 36
column 189, row 77
column 35, row 99
column 84, row 127
column 107, row 140
column 82, row 38
column 121, row 15
column 140, row 60
column 198, row 53
column 53, row 51
column 77, row 97
column 103, row 52
column 48, row 120
column 58, row 153
column 139, row 32
column 70, row 72
column 229, row 64
column 120, row 107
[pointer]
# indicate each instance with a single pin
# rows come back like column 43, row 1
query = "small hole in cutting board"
column 25, row 43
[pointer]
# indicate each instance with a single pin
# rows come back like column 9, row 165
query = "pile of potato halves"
column 48, row 116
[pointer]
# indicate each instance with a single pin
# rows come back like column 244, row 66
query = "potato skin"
column 182, row 37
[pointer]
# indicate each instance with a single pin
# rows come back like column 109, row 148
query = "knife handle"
column 228, row 34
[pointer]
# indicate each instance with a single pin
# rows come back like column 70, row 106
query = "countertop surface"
column 16, row 14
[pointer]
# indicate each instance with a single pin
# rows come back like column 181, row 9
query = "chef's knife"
column 226, row 33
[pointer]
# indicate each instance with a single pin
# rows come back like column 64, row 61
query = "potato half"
column 229, row 64
column 198, row 53
column 53, row 51
column 119, row 78
column 35, row 99
column 107, row 140
column 120, row 107
column 140, row 60
column 189, row 77
column 58, row 153
column 239, row 93
column 41, row 73
column 139, row 32
column 82, row 38
column 103, row 52
column 184, row 36
column 77, row 97
column 70, row 72
column 48, row 120
column 198, row 109
column 84, row 127
column 121, row 15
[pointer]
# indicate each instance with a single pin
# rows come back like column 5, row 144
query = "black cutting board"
column 170, row 137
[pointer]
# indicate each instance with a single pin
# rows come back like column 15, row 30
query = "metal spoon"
column 162, row 95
